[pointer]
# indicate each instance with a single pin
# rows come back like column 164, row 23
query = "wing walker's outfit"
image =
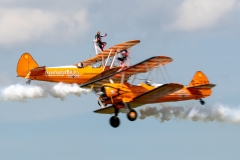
column 101, row 44
column 124, row 53
column 124, row 57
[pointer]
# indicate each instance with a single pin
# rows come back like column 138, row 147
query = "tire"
column 132, row 115
column 114, row 121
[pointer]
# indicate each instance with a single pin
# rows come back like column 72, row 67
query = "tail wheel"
column 114, row 121
column 132, row 115
column 202, row 102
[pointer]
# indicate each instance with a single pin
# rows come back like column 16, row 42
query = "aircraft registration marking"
column 68, row 73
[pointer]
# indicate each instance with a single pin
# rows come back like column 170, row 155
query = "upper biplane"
column 102, row 64
column 120, row 95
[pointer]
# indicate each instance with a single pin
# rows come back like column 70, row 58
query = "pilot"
column 124, row 56
column 98, row 38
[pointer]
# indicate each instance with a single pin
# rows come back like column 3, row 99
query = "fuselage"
column 66, row 74
column 118, row 93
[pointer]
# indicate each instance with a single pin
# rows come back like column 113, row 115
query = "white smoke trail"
column 218, row 113
column 20, row 92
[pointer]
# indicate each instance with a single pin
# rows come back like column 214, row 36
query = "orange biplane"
column 119, row 95
column 80, row 73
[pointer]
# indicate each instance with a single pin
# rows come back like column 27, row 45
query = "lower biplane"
column 102, row 64
column 119, row 95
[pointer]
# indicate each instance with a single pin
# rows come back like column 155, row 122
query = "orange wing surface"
column 142, row 67
column 158, row 92
column 110, row 52
column 150, row 96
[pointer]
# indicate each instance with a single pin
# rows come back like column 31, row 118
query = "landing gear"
column 28, row 82
column 114, row 121
column 132, row 115
column 202, row 102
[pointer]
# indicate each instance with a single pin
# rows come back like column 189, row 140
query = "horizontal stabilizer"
column 38, row 71
column 204, row 86
column 158, row 92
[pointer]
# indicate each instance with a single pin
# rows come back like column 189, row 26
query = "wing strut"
column 122, row 79
column 107, row 59
column 113, row 60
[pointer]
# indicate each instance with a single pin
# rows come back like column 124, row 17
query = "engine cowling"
column 111, row 92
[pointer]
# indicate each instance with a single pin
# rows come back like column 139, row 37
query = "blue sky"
column 198, row 35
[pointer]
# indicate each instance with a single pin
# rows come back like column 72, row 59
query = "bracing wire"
column 162, row 75
column 167, row 73
column 157, row 80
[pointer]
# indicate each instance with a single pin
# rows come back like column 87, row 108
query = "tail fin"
column 200, row 85
column 25, row 64
column 199, row 79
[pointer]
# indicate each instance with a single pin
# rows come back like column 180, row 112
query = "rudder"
column 25, row 64
column 199, row 79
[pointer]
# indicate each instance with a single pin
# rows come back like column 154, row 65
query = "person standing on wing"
column 98, row 38
column 124, row 56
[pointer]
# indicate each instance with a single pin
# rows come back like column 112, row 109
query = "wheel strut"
column 114, row 120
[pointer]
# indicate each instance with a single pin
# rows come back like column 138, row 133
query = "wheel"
column 28, row 82
column 114, row 121
column 202, row 102
column 132, row 115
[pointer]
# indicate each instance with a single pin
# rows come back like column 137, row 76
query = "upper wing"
column 142, row 67
column 158, row 92
column 110, row 52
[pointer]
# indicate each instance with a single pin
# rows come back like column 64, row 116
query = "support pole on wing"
column 111, row 81
column 107, row 59
column 113, row 60
column 103, row 62
column 134, row 77
column 123, row 77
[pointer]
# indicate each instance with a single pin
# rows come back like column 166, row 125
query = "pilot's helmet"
column 148, row 82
